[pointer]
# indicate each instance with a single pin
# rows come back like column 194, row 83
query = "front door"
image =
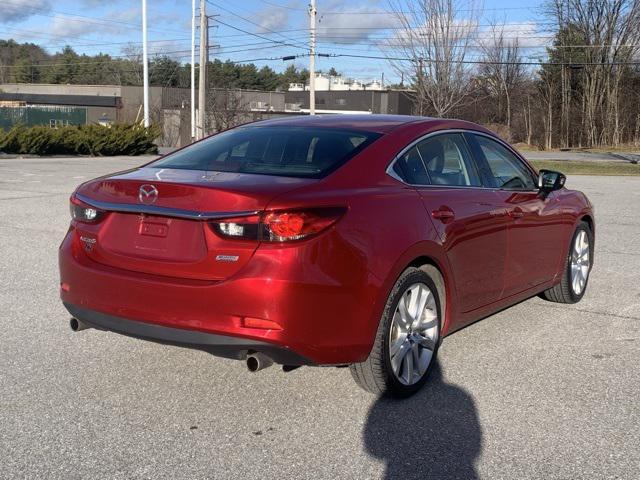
column 536, row 231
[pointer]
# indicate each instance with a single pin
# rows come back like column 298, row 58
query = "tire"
column 565, row 291
column 421, row 336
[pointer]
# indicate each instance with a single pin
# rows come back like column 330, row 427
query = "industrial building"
column 57, row 105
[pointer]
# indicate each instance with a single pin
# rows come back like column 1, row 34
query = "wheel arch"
column 431, row 258
column 588, row 219
column 430, row 266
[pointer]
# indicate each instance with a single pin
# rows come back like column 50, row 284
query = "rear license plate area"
column 153, row 229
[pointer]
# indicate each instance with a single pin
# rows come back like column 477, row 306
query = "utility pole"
column 312, row 57
column 193, row 70
column 202, row 84
column 145, row 65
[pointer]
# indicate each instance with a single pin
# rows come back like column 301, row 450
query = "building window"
column 341, row 101
column 57, row 123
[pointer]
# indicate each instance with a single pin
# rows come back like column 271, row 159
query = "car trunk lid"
column 157, row 219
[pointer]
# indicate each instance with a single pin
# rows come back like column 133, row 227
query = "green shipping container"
column 51, row 116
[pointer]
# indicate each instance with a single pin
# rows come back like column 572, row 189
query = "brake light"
column 84, row 213
column 279, row 225
column 296, row 225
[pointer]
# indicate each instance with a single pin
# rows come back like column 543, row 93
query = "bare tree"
column 546, row 90
column 226, row 109
column 502, row 72
column 527, row 121
column 133, row 53
column 436, row 37
column 609, row 34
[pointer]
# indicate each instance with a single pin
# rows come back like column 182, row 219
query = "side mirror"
column 550, row 180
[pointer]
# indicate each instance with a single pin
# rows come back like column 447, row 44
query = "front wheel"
column 407, row 339
column 577, row 267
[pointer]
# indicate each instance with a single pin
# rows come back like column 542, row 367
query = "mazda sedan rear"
column 354, row 241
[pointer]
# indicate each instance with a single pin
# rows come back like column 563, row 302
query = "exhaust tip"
column 258, row 361
column 252, row 364
column 76, row 325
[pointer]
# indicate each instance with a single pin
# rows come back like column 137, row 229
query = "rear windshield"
column 290, row 152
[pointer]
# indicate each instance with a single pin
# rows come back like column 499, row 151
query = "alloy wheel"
column 580, row 262
column 414, row 334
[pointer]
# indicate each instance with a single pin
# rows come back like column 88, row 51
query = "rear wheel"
column 407, row 339
column 576, row 270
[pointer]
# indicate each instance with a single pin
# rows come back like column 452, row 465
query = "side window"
column 448, row 161
column 505, row 169
column 411, row 169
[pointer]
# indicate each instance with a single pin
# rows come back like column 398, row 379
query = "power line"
column 413, row 12
column 249, row 21
column 381, row 12
column 284, row 7
column 258, row 35
column 41, row 11
column 486, row 62
column 186, row 54
column 129, row 42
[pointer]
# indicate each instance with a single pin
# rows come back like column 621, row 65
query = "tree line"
column 583, row 93
column 30, row 63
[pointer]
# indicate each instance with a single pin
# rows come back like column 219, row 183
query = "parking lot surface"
column 540, row 390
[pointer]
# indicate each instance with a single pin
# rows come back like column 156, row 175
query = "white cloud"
column 18, row 10
column 272, row 20
column 527, row 34
column 352, row 27
column 93, row 3
column 67, row 27
column 72, row 27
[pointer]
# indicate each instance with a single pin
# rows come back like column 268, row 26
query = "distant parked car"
column 354, row 241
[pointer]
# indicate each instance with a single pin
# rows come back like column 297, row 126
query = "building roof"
column 75, row 100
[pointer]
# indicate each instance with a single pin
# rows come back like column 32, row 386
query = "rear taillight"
column 241, row 228
column 84, row 213
column 279, row 225
column 296, row 225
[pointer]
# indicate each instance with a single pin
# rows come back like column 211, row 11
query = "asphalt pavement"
column 538, row 391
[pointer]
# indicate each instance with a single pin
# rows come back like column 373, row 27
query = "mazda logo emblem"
column 147, row 194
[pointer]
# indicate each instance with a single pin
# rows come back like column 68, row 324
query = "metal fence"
column 52, row 116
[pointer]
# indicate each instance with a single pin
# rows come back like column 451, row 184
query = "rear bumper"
column 219, row 345
column 325, row 309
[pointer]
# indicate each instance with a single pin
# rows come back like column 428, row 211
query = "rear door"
column 536, row 230
column 469, row 218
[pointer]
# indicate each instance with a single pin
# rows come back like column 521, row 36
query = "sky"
column 246, row 30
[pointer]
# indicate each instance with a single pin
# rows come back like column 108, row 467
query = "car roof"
column 370, row 123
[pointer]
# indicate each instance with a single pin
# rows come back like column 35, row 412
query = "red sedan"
column 328, row 240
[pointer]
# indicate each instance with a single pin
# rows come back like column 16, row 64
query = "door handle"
column 516, row 213
column 443, row 214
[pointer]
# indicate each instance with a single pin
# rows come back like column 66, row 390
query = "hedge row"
column 117, row 139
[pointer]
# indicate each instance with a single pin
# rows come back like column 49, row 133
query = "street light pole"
column 193, row 70
column 312, row 57
column 145, row 65
column 202, row 83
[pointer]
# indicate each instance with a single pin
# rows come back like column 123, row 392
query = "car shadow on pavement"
column 435, row 434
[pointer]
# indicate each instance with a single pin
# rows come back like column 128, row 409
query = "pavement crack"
column 595, row 312
column 33, row 196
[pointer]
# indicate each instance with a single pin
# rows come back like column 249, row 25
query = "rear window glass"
column 290, row 152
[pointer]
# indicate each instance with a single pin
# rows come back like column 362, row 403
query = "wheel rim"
column 580, row 262
column 414, row 334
